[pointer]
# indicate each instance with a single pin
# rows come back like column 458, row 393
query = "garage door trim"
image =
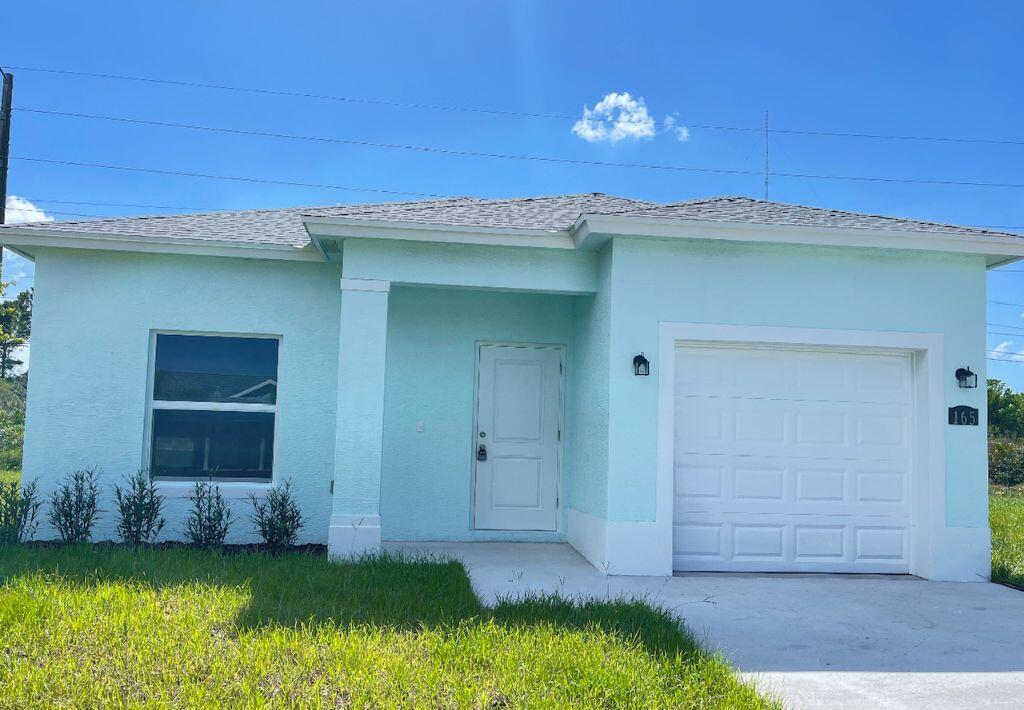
column 927, row 502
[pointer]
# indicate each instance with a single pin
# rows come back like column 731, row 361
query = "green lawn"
column 96, row 626
column 1006, row 512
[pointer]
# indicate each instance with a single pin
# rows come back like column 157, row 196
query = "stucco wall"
column 431, row 351
column 90, row 344
column 588, row 491
column 747, row 284
column 94, row 312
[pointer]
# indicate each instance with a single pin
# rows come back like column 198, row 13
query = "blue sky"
column 910, row 68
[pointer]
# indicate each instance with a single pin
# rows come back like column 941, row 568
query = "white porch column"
column 355, row 511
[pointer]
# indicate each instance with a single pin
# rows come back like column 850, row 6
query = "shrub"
column 12, row 421
column 138, row 509
column 277, row 516
column 208, row 522
column 74, row 506
column 1006, row 461
column 18, row 510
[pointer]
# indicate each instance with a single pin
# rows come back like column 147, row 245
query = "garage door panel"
column 811, row 544
column 820, row 543
column 764, row 373
column 843, row 430
column 695, row 541
column 799, row 486
column 809, row 470
column 753, row 541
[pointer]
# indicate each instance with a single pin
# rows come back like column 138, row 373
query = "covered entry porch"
column 458, row 393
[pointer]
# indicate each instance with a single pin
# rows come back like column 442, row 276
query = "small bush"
column 18, row 510
column 1006, row 461
column 208, row 522
column 74, row 506
column 138, row 509
column 277, row 516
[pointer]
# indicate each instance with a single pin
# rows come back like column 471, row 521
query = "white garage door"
column 791, row 459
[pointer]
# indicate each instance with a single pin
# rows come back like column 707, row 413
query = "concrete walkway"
column 815, row 641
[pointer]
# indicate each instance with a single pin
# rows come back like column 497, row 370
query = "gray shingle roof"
column 751, row 211
column 284, row 227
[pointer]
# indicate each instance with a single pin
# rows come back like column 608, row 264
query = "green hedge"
column 1005, row 461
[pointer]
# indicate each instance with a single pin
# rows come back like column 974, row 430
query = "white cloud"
column 614, row 118
column 21, row 353
column 1004, row 351
column 20, row 210
column 16, row 267
column 17, row 270
column 672, row 125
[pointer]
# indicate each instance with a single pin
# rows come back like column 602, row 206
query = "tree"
column 1005, row 410
column 23, row 319
column 15, row 327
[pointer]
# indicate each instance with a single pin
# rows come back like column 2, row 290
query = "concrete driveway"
column 815, row 641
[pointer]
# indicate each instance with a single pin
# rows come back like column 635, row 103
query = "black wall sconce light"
column 966, row 378
column 641, row 366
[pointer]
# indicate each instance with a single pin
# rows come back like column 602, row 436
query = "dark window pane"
column 224, row 445
column 203, row 368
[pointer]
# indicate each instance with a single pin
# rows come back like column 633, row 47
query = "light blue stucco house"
column 721, row 384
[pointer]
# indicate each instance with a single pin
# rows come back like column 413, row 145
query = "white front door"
column 792, row 459
column 516, row 443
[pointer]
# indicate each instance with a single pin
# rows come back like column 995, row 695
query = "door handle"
column 481, row 453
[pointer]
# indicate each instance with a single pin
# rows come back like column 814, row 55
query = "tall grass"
column 1006, row 513
column 98, row 625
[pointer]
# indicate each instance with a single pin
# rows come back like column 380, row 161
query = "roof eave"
column 592, row 230
column 24, row 240
column 341, row 228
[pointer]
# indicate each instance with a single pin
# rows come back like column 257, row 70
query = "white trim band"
column 365, row 285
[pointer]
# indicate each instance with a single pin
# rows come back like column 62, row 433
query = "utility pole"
column 766, row 155
column 5, row 148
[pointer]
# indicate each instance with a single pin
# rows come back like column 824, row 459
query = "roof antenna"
column 766, row 155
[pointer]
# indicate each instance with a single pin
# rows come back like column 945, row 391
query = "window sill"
column 229, row 489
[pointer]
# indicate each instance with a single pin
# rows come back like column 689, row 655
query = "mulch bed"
column 309, row 549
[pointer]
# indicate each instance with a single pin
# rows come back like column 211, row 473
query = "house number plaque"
column 963, row 415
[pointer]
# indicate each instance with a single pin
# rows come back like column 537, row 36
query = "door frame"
column 928, row 470
column 473, row 443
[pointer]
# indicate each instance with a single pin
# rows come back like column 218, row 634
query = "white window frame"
column 182, row 488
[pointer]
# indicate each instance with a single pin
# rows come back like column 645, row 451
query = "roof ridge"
column 538, row 198
column 414, row 204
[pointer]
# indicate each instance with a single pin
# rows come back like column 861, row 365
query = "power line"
column 505, row 112
column 399, row 146
column 119, row 204
column 300, row 94
column 70, row 214
column 239, row 178
column 1005, row 325
column 522, row 157
column 1007, row 303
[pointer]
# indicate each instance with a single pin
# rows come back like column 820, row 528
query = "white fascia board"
column 21, row 240
column 344, row 228
column 591, row 231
